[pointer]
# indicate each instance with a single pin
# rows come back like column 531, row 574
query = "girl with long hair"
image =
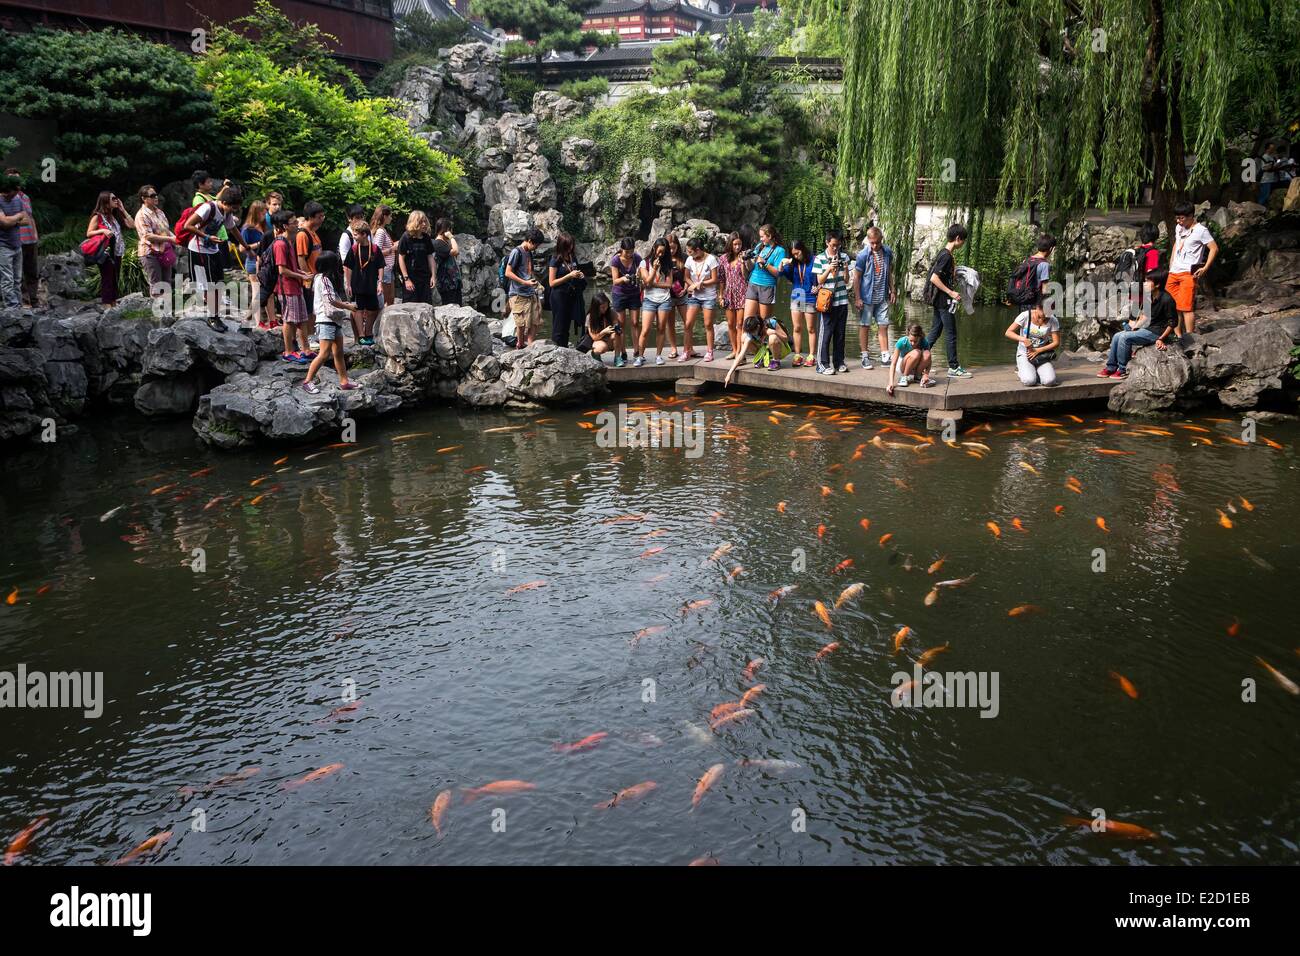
column 657, row 304
column 732, row 284
column 567, row 283
column 109, row 219
column 803, row 312
column 383, row 240
column 415, row 259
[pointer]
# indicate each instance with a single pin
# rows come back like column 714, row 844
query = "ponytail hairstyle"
column 381, row 217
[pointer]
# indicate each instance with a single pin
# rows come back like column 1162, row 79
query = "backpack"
column 183, row 235
column 502, row 281
column 268, row 271
column 1128, row 265
column 1023, row 288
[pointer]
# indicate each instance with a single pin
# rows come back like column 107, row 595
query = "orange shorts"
column 1182, row 286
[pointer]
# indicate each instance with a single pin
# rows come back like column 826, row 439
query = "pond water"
column 395, row 568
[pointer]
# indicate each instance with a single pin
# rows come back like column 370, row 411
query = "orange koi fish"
column 497, row 788
column 1020, row 609
column 202, row 472
column 925, row 659
column 748, row 696
column 1125, row 684
column 438, row 812
column 842, row 566
column 650, row 552
column 731, row 717
column 1234, row 628
column 1127, row 831
column 629, row 793
column 1224, row 520
column 901, row 691
column 711, row 776
column 848, row 487
column 1059, row 509
column 151, row 845
column 645, row 632
column 161, row 489
column 936, row 566
column 993, row 527
column 901, row 637
column 318, row 774
column 776, row 595
column 1286, row 683
column 530, row 586
column 752, row 667
column 780, row 507
column 1101, row 523
column 828, row 649
column 1015, row 523
column 1112, row 451
column 24, row 838
column 823, row 614
column 586, row 743
column 865, row 524
column 848, row 594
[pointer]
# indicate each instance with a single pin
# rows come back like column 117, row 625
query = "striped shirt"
column 839, row 284
column 27, row 232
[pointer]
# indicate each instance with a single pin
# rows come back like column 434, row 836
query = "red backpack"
column 182, row 234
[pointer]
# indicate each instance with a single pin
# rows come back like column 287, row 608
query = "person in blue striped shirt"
column 831, row 271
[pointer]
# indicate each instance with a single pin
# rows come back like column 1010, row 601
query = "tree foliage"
column 543, row 26
column 287, row 44
column 1069, row 103
column 292, row 130
column 127, row 111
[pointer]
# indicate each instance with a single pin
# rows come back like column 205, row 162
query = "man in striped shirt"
column 831, row 271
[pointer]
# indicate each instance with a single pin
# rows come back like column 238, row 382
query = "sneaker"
column 810, row 360
column 958, row 372
column 639, row 361
column 885, row 357
column 289, row 356
column 313, row 344
column 619, row 361
column 928, row 382
column 842, row 369
column 904, row 381
column 1107, row 373
column 659, row 359
column 826, row 371
column 866, row 363
column 302, row 358
column 349, row 386
column 797, row 362
column 310, row 387
column 215, row 324
column 773, row 365
column 1120, row 373
column 708, row 355
column 758, row 364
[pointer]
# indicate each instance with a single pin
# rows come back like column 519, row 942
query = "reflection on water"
column 397, row 571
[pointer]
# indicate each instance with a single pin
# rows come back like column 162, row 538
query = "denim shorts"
column 648, row 306
column 710, row 303
column 328, row 332
column 388, row 276
column 879, row 312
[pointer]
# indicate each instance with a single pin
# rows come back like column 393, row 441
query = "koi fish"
column 865, row 523
column 752, row 667
column 993, row 527
column 820, row 609
column 848, row 594
column 1059, row 509
column 628, row 793
column 503, row 428
column 1125, row 684
column 695, row 605
column 884, row 539
column 162, row 489
column 1234, row 628
column 204, row 472
column 719, row 551
column 828, row 649
column 1286, row 683
column 1270, row 443
column 901, row 637
column 1224, row 520
column 1246, row 504
column 214, row 502
column 338, row 712
column 257, row 501
column 1127, row 831
column 645, row 632
column 12, row 597
column 936, row 566
column 932, row 596
column 443, row 451
column 842, row 566
column 955, row 582
column 151, row 845
column 110, row 513
column 1101, row 523
column 925, row 659
column 1028, row 467
column 438, row 812
column 848, row 488
column 43, row 589
column 735, row 572
column 1015, row 523
column 776, row 595
column 24, row 838
column 1021, row 609
column 497, row 788
column 748, row 696
column 238, row 776
column 362, row 451
column 257, row 481
column 586, row 425
column 776, row 766
column 650, row 552
column 711, row 776
column 318, row 774
column 1257, row 559
column 624, row 519
column 586, row 743
column 730, row 717
column 1111, row 451
column 780, row 507
column 530, row 586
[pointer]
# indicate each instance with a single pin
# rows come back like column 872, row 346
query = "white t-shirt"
column 205, row 241
column 697, row 270
column 325, row 312
column 1042, row 332
column 1188, row 245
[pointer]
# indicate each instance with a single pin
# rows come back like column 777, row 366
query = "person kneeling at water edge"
column 328, row 329
column 911, row 358
column 1143, row 331
column 1039, row 335
column 602, row 332
column 770, row 352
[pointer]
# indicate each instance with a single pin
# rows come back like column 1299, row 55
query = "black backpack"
column 1023, row 289
column 268, row 272
column 1127, row 266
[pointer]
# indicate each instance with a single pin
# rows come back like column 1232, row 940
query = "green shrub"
column 805, row 207
column 130, row 277
column 291, row 130
column 589, row 88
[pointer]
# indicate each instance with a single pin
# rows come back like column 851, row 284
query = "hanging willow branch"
column 1047, row 101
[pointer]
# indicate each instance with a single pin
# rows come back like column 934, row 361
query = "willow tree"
column 1065, row 103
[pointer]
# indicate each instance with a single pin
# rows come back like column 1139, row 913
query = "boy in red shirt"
column 288, row 288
